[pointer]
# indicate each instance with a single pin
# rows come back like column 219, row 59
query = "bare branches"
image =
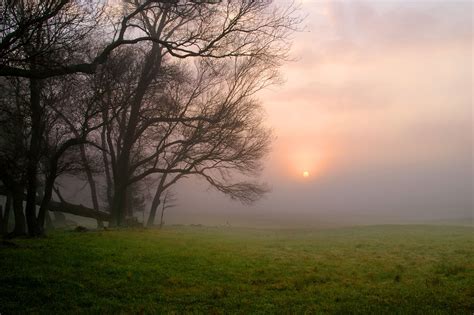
column 156, row 87
column 183, row 28
column 225, row 136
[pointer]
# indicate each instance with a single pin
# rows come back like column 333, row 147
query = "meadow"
column 214, row 270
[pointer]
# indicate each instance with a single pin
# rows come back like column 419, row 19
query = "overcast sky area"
column 377, row 107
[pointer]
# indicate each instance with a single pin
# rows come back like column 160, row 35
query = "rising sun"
column 305, row 174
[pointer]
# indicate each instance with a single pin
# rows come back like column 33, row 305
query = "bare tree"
column 36, row 36
column 226, row 145
column 45, row 40
column 230, row 29
column 72, row 116
column 200, row 121
column 77, row 116
column 63, row 127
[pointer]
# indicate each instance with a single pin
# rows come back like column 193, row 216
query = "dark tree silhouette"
column 46, row 44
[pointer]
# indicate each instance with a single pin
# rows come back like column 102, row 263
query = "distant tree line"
column 132, row 94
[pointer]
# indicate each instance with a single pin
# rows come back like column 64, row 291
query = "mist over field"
column 236, row 157
column 377, row 107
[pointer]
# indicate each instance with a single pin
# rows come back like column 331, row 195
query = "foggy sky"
column 377, row 106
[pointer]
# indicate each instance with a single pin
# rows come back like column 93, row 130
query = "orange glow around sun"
column 303, row 160
column 306, row 163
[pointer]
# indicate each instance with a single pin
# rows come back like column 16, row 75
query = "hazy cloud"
column 378, row 107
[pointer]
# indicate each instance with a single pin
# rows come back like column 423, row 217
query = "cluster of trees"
column 129, row 93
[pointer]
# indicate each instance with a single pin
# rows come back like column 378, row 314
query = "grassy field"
column 375, row 269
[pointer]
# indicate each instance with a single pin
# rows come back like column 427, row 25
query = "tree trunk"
column 156, row 201
column 118, row 201
column 20, row 228
column 79, row 210
column 48, row 223
column 64, row 206
column 33, row 157
column 122, row 174
column 48, row 193
column 91, row 181
column 161, row 218
column 1, row 220
column 106, row 142
column 6, row 215
column 154, row 207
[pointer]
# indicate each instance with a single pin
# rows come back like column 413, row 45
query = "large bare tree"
column 201, row 119
column 44, row 40
column 228, row 30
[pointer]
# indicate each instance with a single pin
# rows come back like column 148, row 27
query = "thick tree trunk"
column 78, row 210
column 122, row 174
column 119, row 201
column 63, row 206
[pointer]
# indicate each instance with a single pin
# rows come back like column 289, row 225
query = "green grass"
column 375, row 269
